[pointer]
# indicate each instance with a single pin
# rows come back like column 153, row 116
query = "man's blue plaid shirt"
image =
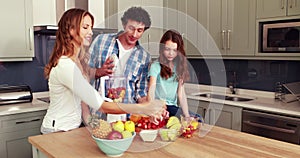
column 137, row 66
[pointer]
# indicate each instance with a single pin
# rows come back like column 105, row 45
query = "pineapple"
column 101, row 128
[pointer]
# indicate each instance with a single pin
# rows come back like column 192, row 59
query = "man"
column 132, row 60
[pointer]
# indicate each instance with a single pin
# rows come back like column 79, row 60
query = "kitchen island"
column 211, row 141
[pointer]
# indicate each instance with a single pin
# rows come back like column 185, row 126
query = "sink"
column 225, row 97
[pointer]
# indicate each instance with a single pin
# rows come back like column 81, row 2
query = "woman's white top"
column 67, row 88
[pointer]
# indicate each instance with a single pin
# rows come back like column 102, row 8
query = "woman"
column 67, row 74
column 168, row 74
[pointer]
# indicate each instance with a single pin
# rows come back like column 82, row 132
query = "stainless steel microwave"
column 280, row 36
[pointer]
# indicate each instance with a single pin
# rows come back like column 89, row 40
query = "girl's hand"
column 157, row 118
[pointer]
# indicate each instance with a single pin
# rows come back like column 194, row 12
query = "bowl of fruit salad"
column 114, row 138
column 168, row 135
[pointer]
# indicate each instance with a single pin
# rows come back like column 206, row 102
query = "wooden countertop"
column 217, row 142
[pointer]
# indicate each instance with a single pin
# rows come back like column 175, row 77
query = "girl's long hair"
column 70, row 20
column 180, row 61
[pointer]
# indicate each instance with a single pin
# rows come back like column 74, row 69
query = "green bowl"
column 114, row 148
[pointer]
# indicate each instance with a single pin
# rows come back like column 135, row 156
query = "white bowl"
column 148, row 135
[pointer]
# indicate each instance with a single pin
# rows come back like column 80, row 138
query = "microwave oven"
column 280, row 36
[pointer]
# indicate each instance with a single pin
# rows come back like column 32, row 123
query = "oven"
column 270, row 125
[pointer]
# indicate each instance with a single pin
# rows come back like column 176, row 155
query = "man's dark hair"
column 137, row 14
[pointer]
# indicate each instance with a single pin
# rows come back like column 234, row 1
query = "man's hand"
column 106, row 68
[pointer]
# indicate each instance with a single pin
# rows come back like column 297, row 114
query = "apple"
column 129, row 126
column 126, row 134
column 115, row 135
column 118, row 126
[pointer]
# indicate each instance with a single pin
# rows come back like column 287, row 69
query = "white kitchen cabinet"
column 44, row 12
column 231, row 23
column 49, row 12
column 226, row 116
column 214, row 27
column 182, row 16
column 277, row 8
column 14, row 132
column 16, row 31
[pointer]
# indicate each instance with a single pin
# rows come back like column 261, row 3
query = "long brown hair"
column 180, row 61
column 70, row 20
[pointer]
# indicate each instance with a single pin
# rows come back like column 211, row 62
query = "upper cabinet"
column 214, row 27
column 16, row 31
column 277, row 8
column 48, row 12
column 231, row 23
column 44, row 12
column 182, row 15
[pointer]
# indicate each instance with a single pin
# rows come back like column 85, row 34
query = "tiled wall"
column 250, row 74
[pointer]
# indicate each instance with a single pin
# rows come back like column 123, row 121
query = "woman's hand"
column 154, row 107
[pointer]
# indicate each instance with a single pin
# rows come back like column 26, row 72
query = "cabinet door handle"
column 282, row 4
column 30, row 38
column 28, row 121
column 258, row 125
column 223, row 39
column 204, row 114
column 291, row 3
column 228, row 39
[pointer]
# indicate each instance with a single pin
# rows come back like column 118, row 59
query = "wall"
column 250, row 74
column 19, row 73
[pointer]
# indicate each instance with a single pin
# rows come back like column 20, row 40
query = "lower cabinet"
column 14, row 132
column 221, row 115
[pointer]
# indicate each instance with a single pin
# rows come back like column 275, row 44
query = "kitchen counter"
column 218, row 142
column 35, row 105
column 263, row 101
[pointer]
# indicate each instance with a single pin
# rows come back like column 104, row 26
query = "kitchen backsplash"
column 250, row 74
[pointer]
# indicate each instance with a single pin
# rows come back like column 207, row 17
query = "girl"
column 67, row 74
column 168, row 74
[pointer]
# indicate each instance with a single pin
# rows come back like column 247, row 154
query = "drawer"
column 22, row 121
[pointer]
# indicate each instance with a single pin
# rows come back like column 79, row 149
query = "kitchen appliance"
column 270, row 125
column 15, row 94
column 294, row 88
column 113, row 89
column 280, row 36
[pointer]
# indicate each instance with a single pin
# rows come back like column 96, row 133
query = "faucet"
column 232, row 85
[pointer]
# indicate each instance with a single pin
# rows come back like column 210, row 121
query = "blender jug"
column 113, row 89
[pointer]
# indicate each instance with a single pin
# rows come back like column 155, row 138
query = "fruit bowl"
column 148, row 135
column 168, row 135
column 114, row 148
